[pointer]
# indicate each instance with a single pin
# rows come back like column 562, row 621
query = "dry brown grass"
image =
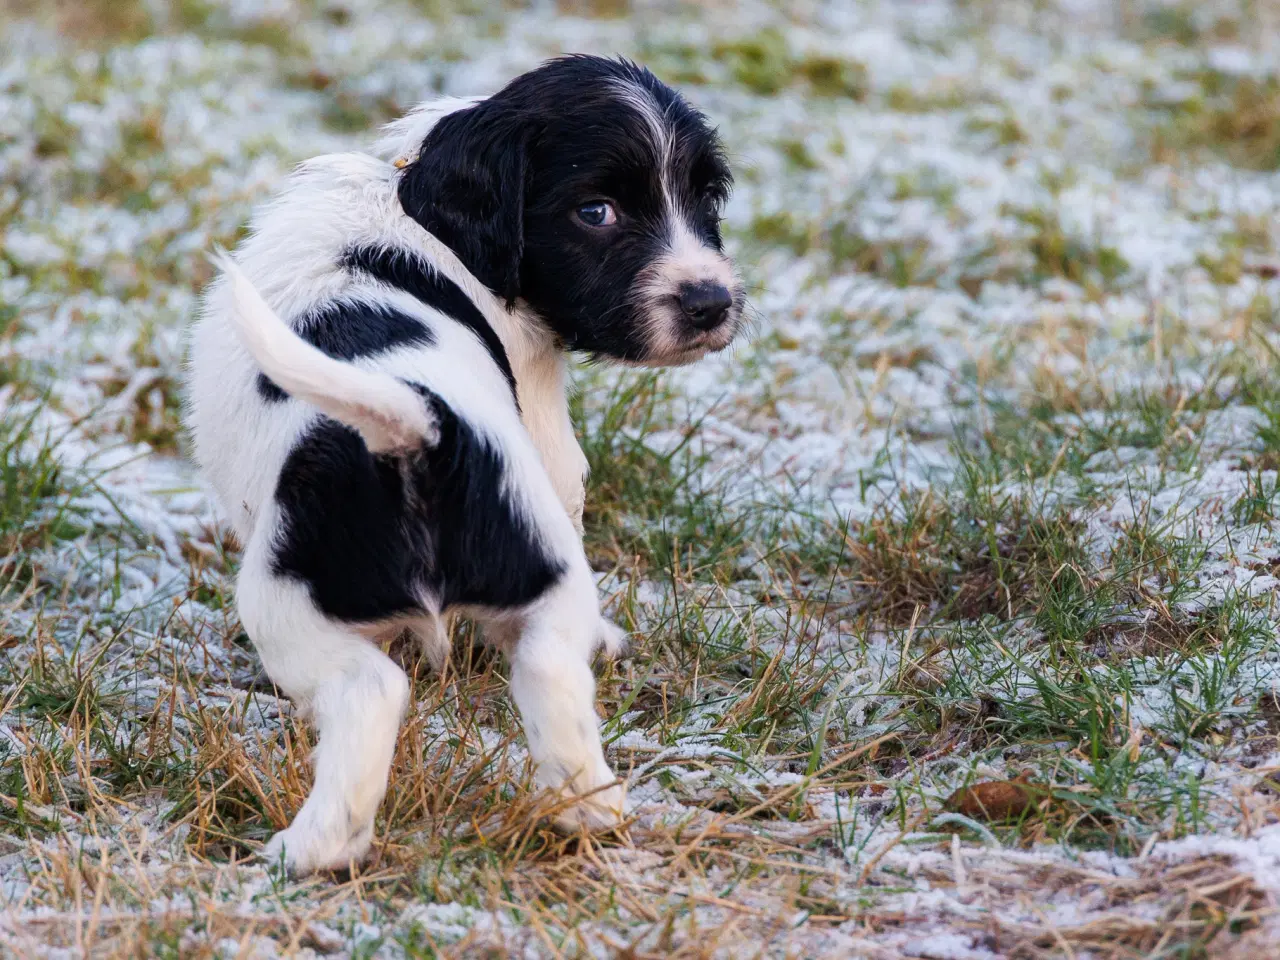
column 460, row 822
column 122, row 899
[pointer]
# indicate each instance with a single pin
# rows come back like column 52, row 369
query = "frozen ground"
column 951, row 587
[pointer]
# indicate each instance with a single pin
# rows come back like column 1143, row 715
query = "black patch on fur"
column 419, row 279
column 268, row 390
column 347, row 330
column 370, row 535
column 499, row 183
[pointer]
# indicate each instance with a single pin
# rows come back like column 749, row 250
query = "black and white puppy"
column 377, row 396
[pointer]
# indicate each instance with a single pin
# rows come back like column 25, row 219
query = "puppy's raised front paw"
column 611, row 639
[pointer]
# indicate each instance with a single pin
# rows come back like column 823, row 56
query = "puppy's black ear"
column 467, row 188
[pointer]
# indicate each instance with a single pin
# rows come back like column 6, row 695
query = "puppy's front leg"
column 575, row 489
column 544, row 408
column 554, row 690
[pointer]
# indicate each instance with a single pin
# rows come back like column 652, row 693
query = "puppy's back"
column 292, row 258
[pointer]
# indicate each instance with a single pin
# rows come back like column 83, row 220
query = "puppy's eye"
column 597, row 214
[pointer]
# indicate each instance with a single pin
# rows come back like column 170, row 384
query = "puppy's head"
column 591, row 191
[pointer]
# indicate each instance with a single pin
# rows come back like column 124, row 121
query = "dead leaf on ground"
column 997, row 800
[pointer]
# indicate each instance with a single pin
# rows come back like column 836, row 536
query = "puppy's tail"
column 387, row 413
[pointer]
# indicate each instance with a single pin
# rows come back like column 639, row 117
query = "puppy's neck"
column 539, row 363
column 537, row 356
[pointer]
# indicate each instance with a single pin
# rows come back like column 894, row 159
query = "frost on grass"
column 988, row 500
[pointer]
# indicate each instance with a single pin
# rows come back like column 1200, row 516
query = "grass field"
column 951, row 588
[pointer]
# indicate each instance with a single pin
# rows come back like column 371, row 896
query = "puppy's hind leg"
column 356, row 697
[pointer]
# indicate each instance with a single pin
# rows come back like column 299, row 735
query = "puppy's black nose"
column 705, row 303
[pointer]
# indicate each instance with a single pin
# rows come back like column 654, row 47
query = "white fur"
column 328, row 204
column 642, row 102
column 402, row 138
column 389, row 416
column 354, row 693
